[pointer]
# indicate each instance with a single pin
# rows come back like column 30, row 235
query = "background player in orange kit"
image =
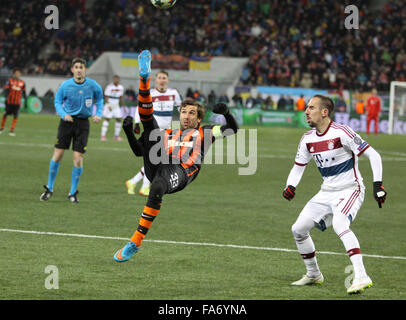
column 15, row 90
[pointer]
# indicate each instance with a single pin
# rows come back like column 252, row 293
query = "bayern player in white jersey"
column 113, row 96
column 335, row 148
column 164, row 101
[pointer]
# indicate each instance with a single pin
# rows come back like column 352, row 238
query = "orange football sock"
column 13, row 125
column 145, row 223
column 3, row 122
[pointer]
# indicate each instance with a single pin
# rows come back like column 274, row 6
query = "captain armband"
column 216, row 131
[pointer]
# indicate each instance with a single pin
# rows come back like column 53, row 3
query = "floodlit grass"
column 219, row 207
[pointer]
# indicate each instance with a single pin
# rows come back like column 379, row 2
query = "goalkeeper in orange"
column 172, row 157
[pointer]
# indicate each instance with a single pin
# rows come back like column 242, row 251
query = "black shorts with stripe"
column 76, row 132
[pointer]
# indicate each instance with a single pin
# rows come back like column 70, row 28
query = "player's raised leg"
column 151, row 210
column 145, row 108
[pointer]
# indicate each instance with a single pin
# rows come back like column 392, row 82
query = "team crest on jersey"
column 357, row 140
column 88, row 103
column 330, row 145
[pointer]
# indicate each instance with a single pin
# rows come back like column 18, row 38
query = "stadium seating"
column 289, row 43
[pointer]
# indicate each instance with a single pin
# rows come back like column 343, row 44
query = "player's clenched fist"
column 220, row 108
column 289, row 193
column 128, row 123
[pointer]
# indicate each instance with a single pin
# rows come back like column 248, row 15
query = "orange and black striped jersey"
column 16, row 89
column 188, row 147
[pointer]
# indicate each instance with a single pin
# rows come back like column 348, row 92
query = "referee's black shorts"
column 76, row 132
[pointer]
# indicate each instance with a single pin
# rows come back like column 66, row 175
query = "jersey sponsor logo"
column 163, row 98
column 173, row 143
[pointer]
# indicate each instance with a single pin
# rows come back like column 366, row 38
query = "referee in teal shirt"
column 74, row 102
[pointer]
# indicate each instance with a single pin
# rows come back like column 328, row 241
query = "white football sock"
column 138, row 177
column 145, row 182
column 105, row 126
column 307, row 250
column 117, row 129
column 352, row 247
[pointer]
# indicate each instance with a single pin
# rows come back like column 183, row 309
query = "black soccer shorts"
column 174, row 175
column 76, row 132
column 12, row 109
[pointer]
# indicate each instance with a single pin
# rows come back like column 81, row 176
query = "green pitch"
column 226, row 236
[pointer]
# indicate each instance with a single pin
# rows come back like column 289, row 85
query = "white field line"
column 402, row 156
column 204, row 244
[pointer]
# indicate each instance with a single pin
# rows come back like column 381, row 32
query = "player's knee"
column 298, row 231
column 340, row 223
column 157, row 189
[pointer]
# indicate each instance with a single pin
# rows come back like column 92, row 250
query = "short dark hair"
column 164, row 72
column 326, row 102
column 16, row 69
column 78, row 60
column 193, row 102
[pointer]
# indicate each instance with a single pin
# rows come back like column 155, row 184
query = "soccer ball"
column 163, row 4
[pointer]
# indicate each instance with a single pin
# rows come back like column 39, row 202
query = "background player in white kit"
column 164, row 100
column 335, row 149
column 113, row 96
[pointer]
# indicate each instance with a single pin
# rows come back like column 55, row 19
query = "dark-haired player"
column 335, row 148
column 172, row 157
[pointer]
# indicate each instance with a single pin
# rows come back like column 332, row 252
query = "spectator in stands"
column 289, row 103
column 211, row 99
column 237, row 100
column 33, row 92
column 224, row 98
column 300, row 103
column 268, row 104
column 282, row 50
column 281, row 103
column 360, row 107
column 250, row 102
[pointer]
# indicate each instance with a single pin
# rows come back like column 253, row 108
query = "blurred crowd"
column 289, row 43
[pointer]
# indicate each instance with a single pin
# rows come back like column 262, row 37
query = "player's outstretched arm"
column 135, row 144
column 376, row 165
column 231, row 126
column 293, row 180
